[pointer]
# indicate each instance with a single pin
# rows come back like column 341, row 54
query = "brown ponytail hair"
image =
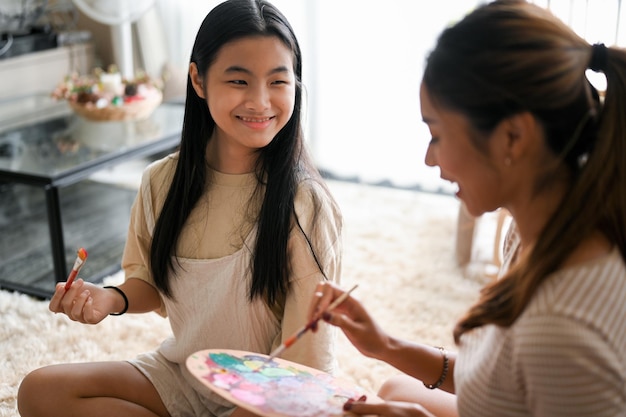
column 511, row 56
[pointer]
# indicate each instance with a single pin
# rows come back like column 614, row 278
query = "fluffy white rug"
column 398, row 246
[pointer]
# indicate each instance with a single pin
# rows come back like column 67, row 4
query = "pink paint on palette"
column 273, row 388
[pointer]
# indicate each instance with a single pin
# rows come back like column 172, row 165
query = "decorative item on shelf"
column 107, row 96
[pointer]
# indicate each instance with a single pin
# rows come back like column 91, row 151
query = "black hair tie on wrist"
column 599, row 57
column 120, row 292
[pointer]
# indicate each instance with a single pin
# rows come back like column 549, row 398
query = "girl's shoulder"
column 314, row 203
column 162, row 166
column 312, row 188
column 160, row 171
column 313, row 194
column 156, row 179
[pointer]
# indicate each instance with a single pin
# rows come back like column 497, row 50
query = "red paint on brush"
column 78, row 263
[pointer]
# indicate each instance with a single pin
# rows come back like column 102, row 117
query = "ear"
column 518, row 134
column 196, row 80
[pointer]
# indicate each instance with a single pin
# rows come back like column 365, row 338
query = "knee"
column 31, row 391
column 407, row 389
column 397, row 387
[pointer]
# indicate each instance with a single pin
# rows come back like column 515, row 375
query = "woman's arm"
column 420, row 361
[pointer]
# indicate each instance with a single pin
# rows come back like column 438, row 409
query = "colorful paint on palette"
column 271, row 388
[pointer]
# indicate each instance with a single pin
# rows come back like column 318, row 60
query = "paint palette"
column 273, row 388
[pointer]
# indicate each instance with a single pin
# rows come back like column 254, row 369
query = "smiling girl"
column 229, row 236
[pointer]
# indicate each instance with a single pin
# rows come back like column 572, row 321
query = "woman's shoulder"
column 590, row 294
column 599, row 278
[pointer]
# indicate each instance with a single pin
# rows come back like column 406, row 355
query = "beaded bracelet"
column 125, row 309
column 444, row 372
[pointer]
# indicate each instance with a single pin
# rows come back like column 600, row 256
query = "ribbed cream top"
column 564, row 356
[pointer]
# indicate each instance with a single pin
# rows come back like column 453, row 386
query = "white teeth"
column 247, row 119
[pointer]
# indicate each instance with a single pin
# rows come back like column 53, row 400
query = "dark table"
column 49, row 205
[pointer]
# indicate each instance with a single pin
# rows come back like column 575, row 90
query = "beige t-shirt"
column 210, row 307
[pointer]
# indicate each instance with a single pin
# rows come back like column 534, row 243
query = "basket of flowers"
column 107, row 96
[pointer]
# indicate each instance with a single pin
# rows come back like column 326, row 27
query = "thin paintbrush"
column 81, row 257
column 309, row 325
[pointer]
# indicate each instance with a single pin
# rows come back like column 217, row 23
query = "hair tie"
column 599, row 57
column 120, row 292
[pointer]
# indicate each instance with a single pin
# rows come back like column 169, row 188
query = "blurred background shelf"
column 95, row 216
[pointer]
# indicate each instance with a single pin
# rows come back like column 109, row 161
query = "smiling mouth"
column 454, row 183
column 255, row 119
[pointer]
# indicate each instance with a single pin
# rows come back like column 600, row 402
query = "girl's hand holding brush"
column 83, row 301
column 75, row 298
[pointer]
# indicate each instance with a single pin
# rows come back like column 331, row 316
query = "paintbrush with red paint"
column 81, row 257
column 297, row 335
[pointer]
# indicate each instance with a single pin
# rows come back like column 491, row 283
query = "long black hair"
column 280, row 165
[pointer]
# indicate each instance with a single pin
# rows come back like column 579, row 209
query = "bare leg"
column 405, row 388
column 89, row 389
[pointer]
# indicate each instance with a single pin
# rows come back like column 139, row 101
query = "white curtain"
column 181, row 20
column 595, row 20
column 366, row 123
column 363, row 61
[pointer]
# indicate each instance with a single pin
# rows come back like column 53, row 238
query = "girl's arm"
column 142, row 297
column 139, row 286
column 319, row 223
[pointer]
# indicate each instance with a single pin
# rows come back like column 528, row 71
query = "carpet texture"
column 398, row 246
